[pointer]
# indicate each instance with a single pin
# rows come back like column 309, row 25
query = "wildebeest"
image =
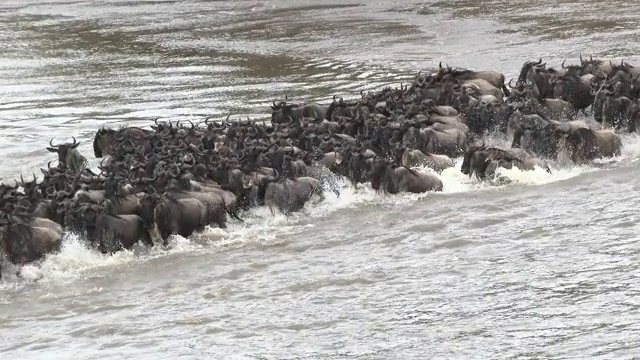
column 105, row 139
column 173, row 216
column 386, row 177
column 113, row 232
column 214, row 202
column 283, row 112
column 290, row 195
column 483, row 161
column 583, row 144
column 481, row 87
column 438, row 163
column 27, row 240
column 443, row 140
column 537, row 75
column 68, row 155
column 494, row 78
column 619, row 111
column 575, row 89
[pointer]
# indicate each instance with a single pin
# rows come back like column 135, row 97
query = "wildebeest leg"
column 222, row 221
column 273, row 213
column 233, row 214
column 146, row 239
column 318, row 200
column 165, row 242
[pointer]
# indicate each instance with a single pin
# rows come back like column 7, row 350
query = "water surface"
column 546, row 267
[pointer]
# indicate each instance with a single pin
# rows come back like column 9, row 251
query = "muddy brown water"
column 546, row 267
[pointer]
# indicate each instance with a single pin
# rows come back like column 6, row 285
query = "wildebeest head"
column 284, row 112
column 148, row 204
column 442, row 71
column 580, row 144
column 520, row 92
column 379, row 172
column 465, row 168
column 91, row 215
column 590, row 66
column 565, row 87
column 29, row 186
column 528, row 69
column 68, row 155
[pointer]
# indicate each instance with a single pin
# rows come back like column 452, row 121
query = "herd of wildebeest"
column 179, row 177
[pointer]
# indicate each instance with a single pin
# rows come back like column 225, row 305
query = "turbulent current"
column 545, row 267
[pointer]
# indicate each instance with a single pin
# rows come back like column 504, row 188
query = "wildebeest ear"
column 74, row 145
column 53, row 150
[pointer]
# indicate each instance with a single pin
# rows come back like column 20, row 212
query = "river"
column 546, row 267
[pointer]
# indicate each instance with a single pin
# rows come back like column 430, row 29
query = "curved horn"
column 50, row 193
column 511, row 86
column 563, row 61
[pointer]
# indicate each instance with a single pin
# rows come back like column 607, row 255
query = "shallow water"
column 545, row 267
